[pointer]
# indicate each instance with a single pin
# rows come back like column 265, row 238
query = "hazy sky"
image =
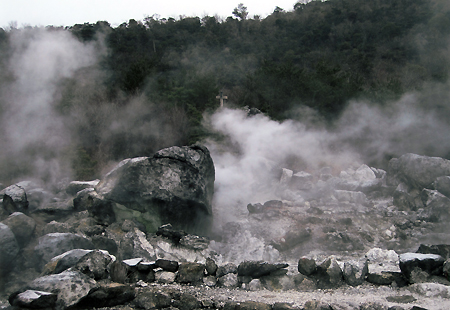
column 70, row 12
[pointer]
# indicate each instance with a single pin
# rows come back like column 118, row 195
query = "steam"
column 39, row 60
column 54, row 102
column 249, row 157
column 251, row 150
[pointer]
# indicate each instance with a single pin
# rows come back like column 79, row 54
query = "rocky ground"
column 362, row 238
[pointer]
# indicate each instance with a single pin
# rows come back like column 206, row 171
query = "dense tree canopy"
column 320, row 54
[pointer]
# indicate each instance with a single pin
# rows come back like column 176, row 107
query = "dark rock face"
column 257, row 269
column 417, row 171
column 14, row 199
column 54, row 244
column 415, row 265
column 22, row 226
column 176, row 185
column 9, row 247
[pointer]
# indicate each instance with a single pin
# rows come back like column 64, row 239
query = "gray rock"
column 190, row 273
column 102, row 210
column 355, row 272
column 442, row 185
column 431, row 290
column 64, row 261
column 415, row 266
column 70, row 286
column 386, row 278
column 176, row 185
column 14, row 199
column 211, row 266
column 167, row 265
column 329, row 274
column 194, row 242
column 9, row 248
column 301, row 181
column 436, row 206
column 95, row 265
column 306, row 266
column 166, row 277
column 210, row 281
column 108, row 295
column 51, row 245
column 22, row 226
column 135, row 244
column 254, row 285
column 34, row 299
column 149, row 299
column 446, row 269
column 187, row 302
column 402, row 199
column 226, row 269
column 229, row 280
column 416, row 171
column 257, row 269
column 75, row 186
column 439, row 249
column 351, row 197
column 381, row 260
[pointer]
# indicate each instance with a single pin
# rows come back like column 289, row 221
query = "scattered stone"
column 416, row 171
column 108, row 295
column 329, row 273
column 14, row 199
column 257, row 269
column 438, row 249
column 211, row 266
column 9, row 248
column 64, row 261
column 402, row 299
column 306, row 266
column 355, row 272
column 75, row 186
column 71, row 286
column 22, row 226
column 147, row 298
column 226, row 269
column 230, row 280
column 166, row 277
column 442, row 185
column 412, row 264
column 167, row 265
column 33, row 299
column 94, row 264
column 190, row 273
column 51, row 245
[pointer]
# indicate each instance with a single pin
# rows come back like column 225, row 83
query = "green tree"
column 240, row 11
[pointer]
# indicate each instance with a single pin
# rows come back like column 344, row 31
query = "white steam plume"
column 254, row 149
column 40, row 59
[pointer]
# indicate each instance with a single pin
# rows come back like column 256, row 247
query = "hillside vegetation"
column 318, row 55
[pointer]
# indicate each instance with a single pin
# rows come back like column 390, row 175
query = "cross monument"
column 221, row 98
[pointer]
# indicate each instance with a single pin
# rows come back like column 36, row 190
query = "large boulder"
column 14, row 199
column 70, row 286
column 54, row 244
column 436, row 206
column 9, row 248
column 417, row 171
column 22, row 226
column 176, row 185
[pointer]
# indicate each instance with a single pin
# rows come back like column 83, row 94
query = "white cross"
column 221, row 97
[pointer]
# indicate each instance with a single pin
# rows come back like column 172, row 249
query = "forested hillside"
column 319, row 55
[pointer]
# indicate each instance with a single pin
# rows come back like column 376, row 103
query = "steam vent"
column 176, row 185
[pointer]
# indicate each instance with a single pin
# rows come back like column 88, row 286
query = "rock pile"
column 103, row 243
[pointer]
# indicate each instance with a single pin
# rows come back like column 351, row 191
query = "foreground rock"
column 175, row 185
